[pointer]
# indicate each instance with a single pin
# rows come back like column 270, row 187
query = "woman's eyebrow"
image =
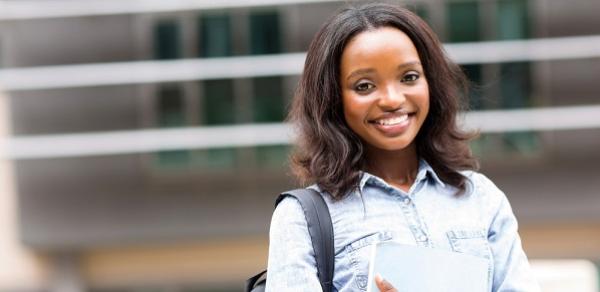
column 371, row 70
column 408, row 64
column 360, row 72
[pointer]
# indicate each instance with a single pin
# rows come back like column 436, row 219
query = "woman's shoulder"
column 482, row 187
column 290, row 209
column 478, row 180
column 490, row 200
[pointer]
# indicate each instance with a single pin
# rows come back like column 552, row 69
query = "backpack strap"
column 320, row 229
column 257, row 283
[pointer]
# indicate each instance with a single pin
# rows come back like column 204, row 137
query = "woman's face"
column 384, row 90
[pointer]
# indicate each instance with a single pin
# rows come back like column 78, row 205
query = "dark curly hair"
column 327, row 151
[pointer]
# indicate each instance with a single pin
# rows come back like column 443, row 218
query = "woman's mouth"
column 392, row 121
column 392, row 125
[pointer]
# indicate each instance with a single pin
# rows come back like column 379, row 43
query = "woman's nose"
column 392, row 98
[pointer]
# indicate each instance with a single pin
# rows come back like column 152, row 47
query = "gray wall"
column 82, row 202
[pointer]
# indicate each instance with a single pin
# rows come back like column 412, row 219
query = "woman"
column 376, row 115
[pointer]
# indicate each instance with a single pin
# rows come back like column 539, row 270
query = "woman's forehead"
column 385, row 45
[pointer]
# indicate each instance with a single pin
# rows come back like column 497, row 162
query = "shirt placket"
column 416, row 225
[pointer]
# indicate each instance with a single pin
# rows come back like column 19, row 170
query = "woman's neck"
column 397, row 168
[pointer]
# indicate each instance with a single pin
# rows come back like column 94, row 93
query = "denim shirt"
column 480, row 223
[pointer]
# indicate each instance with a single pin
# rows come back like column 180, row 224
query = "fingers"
column 383, row 285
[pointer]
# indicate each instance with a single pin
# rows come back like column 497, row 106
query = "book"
column 423, row 269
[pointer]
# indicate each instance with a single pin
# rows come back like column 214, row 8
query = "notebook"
column 415, row 268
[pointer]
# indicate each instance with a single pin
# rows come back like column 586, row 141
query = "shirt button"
column 406, row 201
column 422, row 238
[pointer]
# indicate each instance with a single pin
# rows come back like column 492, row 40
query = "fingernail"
column 383, row 281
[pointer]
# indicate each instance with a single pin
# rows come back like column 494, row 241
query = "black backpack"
column 320, row 229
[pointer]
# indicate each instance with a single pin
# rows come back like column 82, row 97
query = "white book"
column 422, row 269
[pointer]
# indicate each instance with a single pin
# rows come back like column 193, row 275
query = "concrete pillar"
column 21, row 269
column 66, row 273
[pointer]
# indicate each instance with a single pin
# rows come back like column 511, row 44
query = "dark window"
column 268, row 100
column 218, row 108
column 171, row 114
column 170, row 104
column 272, row 156
column 215, row 158
column 476, row 94
column 463, row 26
column 218, row 102
column 167, row 40
column 513, row 22
column 269, row 106
column 419, row 9
column 265, row 36
column 215, row 35
column 515, row 83
column 463, row 21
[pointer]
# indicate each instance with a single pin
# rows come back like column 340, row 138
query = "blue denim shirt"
column 480, row 223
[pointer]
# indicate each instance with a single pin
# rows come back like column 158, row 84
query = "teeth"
column 392, row 121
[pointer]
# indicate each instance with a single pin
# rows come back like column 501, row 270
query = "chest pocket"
column 472, row 242
column 360, row 252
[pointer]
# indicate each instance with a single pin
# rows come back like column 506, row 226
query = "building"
column 196, row 218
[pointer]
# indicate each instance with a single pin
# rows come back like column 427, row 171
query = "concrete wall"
column 21, row 268
column 78, row 202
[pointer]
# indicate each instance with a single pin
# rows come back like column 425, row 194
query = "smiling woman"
column 375, row 113
column 330, row 151
column 384, row 94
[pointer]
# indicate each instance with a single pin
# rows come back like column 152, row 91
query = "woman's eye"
column 362, row 87
column 410, row 77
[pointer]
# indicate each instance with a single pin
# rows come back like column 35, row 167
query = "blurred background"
column 143, row 144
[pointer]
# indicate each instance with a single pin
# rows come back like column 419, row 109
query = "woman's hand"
column 383, row 285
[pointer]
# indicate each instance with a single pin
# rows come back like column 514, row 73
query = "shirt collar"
column 425, row 171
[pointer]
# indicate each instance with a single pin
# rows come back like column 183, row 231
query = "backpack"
column 320, row 229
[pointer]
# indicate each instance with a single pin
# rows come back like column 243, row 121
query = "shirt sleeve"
column 292, row 264
column 511, row 266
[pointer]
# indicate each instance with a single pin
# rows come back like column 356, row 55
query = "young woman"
column 376, row 115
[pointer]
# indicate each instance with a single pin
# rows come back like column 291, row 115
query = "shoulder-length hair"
column 327, row 151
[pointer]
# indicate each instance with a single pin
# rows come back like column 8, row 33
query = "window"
column 476, row 94
column 463, row 21
column 515, row 77
column 463, row 26
column 218, row 108
column 265, row 37
column 215, row 35
column 170, row 109
column 272, row 156
column 218, row 102
column 268, row 102
column 215, row 159
column 513, row 22
column 167, row 43
column 515, row 84
column 419, row 9
column 218, row 97
column 170, row 104
column 268, row 106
